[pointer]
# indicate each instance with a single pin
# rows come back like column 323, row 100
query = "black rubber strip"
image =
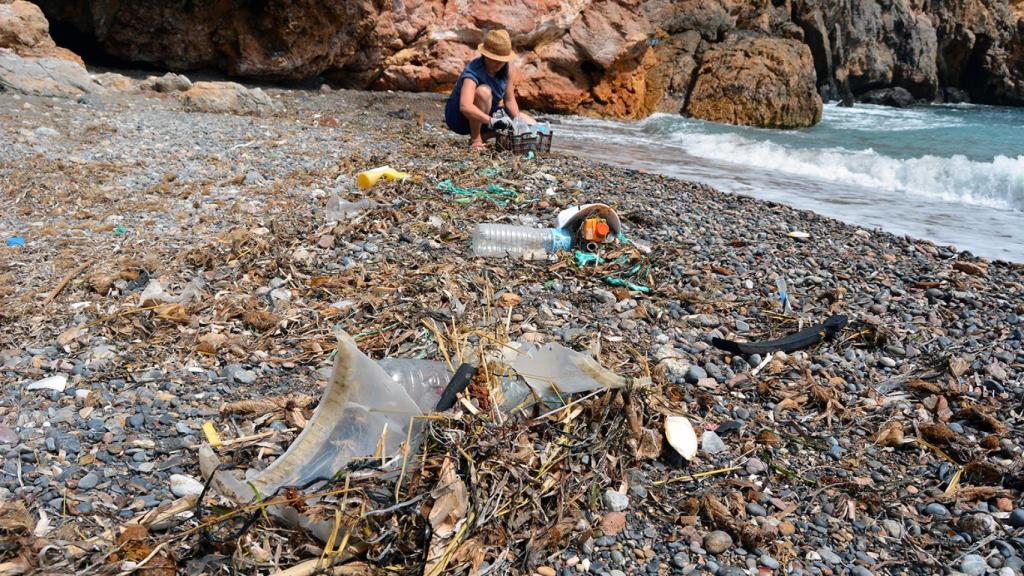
column 796, row 341
column 463, row 376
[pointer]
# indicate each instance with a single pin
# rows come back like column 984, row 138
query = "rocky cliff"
column 761, row 62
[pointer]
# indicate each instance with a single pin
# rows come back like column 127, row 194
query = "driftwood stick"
column 64, row 282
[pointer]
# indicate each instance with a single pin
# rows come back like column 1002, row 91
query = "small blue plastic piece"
column 560, row 240
column 16, row 241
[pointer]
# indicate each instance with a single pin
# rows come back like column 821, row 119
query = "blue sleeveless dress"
column 475, row 70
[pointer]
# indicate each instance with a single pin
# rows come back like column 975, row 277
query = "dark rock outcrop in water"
column 623, row 58
column 897, row 97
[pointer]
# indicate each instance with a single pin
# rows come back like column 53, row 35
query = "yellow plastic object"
column 367, row 178
column 211, row 434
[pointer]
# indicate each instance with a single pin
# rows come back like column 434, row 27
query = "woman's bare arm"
column 467, row 104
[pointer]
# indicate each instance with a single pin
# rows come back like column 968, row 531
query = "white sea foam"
column 996, row 184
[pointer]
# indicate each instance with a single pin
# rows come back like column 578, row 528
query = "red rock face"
column 24, row 29
column 623, row 58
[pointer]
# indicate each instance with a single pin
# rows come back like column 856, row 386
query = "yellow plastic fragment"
column 211, row 434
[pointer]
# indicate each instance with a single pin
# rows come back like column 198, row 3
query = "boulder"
column 895, row 97
column 24, row 30
column 757, row 81
column 169, row 82
column 44, row 76
column 226, row 97
column 952, row 95
column 115, row 81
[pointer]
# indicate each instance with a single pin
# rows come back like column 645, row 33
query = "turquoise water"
column 951, row 174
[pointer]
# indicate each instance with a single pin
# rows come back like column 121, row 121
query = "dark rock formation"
column 897, row 97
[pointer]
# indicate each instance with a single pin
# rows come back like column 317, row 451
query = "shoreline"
column 230, row 209
column 840, row 169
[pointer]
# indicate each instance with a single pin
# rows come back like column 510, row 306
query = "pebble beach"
column 177, row 261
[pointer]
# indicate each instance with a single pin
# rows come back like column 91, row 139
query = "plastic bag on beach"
column 553, row 368
column 363, row 409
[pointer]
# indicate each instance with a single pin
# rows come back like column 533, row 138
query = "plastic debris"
column 368, row 408
column 680, row 436
column 498, row 195
column 338, row 209
column 612, row 281
column 591, row 224
column 585, row 258
column 211, row 434
column 423, row 380
column 798, row 235
column 553, row 368
column 362, row 406
column 368, row 178
column 499, row 240
column 58, row 383
column 796, row 341
column 16, row 242
column 783, row 291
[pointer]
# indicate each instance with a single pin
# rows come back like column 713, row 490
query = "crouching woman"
column 486, row 85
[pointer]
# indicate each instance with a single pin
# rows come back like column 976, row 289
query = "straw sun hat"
column 497, row 46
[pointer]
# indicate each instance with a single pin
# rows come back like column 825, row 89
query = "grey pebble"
column 88, row 482
column 1017, row 518
column 937, row 510
column 695, row 373
column 829, row 556
column 973, row 565
column 755, row 509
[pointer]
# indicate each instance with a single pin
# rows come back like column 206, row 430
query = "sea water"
column 952, row 174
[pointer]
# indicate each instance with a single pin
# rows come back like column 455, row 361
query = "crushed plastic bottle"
column 423, row 380
column 497, row 240
column 338, row 209
column 520, row 126
column 783, row 291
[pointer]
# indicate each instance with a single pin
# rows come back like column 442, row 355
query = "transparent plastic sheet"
column 349, row 422
column 553, row 369
column 364, row 396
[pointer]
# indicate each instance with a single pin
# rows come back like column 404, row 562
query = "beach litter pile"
column 222, row 355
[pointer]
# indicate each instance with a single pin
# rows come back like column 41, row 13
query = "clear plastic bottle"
column 338, row 209
column 520, row 126
column 783, row 291
column 423, row 380
column 497, row 240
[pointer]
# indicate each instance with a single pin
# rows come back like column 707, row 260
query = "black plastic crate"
column 523, row 143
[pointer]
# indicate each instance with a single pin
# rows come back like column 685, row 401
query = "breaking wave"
column 996, row 184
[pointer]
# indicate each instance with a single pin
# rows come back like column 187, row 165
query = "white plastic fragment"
column 58, row 383
column 680, row 436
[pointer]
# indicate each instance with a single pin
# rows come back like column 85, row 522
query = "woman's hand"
column 500, row 123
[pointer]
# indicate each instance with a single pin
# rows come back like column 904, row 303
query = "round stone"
column 1017, row 518
column 973, row 565
column 717, row 542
